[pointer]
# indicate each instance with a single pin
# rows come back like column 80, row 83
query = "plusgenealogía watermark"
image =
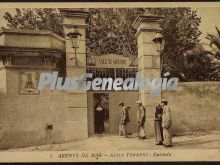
column 85, row 82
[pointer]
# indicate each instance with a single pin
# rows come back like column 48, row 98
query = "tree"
column 198, row 64
column 204, row 64
column 110, row 31
column 113, row 26
column 181, row 32
column 214, row 39
column 100, row 23
column 36, row 19
column 215, row 58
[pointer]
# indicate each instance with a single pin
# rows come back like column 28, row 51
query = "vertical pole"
column 76, row 125
column 148, row 66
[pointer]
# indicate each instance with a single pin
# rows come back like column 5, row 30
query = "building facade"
column 32, row 117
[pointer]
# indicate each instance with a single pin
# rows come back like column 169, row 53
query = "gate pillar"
column 148, row 62
column 76, row 126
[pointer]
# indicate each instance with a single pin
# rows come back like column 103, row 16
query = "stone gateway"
column 63, row 116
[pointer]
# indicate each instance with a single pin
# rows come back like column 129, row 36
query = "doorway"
column 101, row 113
column 111, row 116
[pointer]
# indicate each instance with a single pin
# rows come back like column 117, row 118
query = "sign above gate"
column 111, row 61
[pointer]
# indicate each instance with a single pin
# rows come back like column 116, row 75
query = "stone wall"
column 31, row 39
column 3, row 81
column 24, row 118
column 195, row 107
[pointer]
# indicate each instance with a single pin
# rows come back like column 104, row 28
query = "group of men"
column 162, row 122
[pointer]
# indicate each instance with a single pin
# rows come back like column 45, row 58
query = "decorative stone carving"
column 28, row 82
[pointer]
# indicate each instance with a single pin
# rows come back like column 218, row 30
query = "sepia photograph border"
column 54, row 156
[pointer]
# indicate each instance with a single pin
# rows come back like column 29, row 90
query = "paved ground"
column 113, row 143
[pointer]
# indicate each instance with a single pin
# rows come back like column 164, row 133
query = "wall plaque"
column 28, row 82
column 111, row 61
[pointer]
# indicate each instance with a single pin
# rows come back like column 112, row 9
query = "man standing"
column 166, row 124
column 141, row 118
column 158, row 125
column 124, row 120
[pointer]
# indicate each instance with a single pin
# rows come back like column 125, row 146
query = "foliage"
column 197, row 64
column 203, row 64
column 181, row 32
column 110, row 30
column 214, row 39
column 103, row 23
column 215, row 58
column 35, row 19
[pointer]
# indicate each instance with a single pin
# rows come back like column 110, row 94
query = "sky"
column 210, row 17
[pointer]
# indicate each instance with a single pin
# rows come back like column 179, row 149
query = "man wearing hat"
column 124, row 120
column 141, row 118
column 166, row 124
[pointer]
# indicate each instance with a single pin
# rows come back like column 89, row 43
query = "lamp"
column 75, row 40
column 159, row 41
